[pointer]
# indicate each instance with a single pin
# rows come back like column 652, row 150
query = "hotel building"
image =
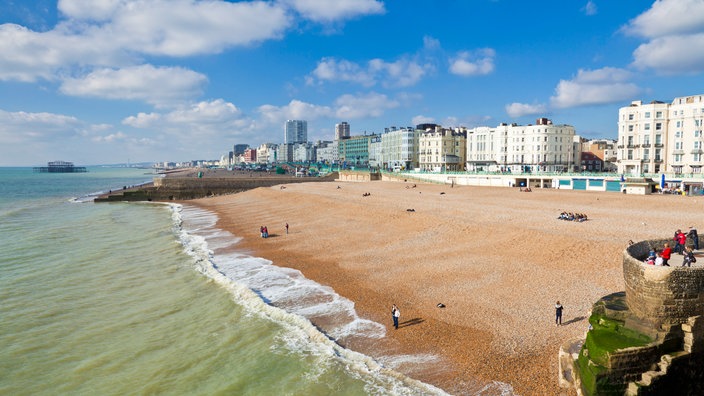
column 441, row 149
column 660, row 137
column 543, row 147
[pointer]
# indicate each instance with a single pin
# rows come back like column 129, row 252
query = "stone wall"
column 661, row 295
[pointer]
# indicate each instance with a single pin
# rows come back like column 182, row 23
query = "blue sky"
column 107, row 81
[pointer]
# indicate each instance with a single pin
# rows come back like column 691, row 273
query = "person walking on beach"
column 692, row 234
column 287, row 228
column 666, row 254
column 558, row 313
column 395, row 314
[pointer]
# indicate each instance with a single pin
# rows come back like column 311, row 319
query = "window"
column 658, row 126
column 658, row 139
column 646, row 127
column 630, row 128
column 647, row 114
column 630, row 117
column 658, row 114
column 679, row 124
column 630, row 154
column 646, row 155
column 678, row 145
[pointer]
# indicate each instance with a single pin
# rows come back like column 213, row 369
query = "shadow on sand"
column 411, row 322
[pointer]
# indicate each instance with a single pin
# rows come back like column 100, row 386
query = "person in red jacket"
column 666, row 254
column 680, row 241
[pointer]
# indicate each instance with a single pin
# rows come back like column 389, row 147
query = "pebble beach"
column 496, row 259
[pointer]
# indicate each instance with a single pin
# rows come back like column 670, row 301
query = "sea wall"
column 184, row 188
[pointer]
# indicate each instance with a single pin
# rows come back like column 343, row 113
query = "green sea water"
column 125, row 298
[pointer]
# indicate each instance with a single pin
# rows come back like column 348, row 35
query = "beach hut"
column 639, row 186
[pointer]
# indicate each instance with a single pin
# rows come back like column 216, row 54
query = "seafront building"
column 399, row 148
column 659, row 137
column 295, row 131
column 342, row 130
column 304, row 152
column 354, row 150
column 604, row 149
column 326, row 152
column 441, row 149
column 266, row 153
column 513, row 148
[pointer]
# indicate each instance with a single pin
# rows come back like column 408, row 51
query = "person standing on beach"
column 692, row 234
column 666, row 254
column 558, row 313
column 680, row 241
column 395, row 314
column 287, row 228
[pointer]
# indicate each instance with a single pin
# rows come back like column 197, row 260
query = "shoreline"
column 459, row 247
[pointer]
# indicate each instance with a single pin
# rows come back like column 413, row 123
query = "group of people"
column 264, row 231
column 569, row 216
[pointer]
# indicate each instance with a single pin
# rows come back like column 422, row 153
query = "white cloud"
column 328, row 11
column 590, row 87
column 401, row 73
column 590, row 8
column 473, row 63
column 515, row 110
column 159, row 86
column 199, row 116
column 420, row 119
column 675, row 30
column 359, row 106
column 672, row 54
column 295, row 110
column 330, row 69
column 117, row 33
column 668, row 17
column 24, row 128
column 97, row 10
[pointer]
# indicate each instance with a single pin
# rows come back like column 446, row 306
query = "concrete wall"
column 661, row 295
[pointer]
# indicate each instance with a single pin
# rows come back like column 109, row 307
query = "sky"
column 116, row 81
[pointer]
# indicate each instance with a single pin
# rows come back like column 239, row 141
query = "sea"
column 152, row 298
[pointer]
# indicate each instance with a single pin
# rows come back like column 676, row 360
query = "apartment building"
column 399, row 148
column 543, row 147
column 441, row 149
column 660, row 137
column 354, row 150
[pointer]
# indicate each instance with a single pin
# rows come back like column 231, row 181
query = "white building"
column 326, row 151
column 399, row 148
column 303, row 152
column 543, row 147
column 266, row 153
column 658, row 137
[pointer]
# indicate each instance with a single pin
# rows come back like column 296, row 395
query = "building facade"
column 342, row 130
column 642, row 138
column 354, row 150
column 295, row 131
column 543, row 147
column 399, row 148
column 442, row 149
